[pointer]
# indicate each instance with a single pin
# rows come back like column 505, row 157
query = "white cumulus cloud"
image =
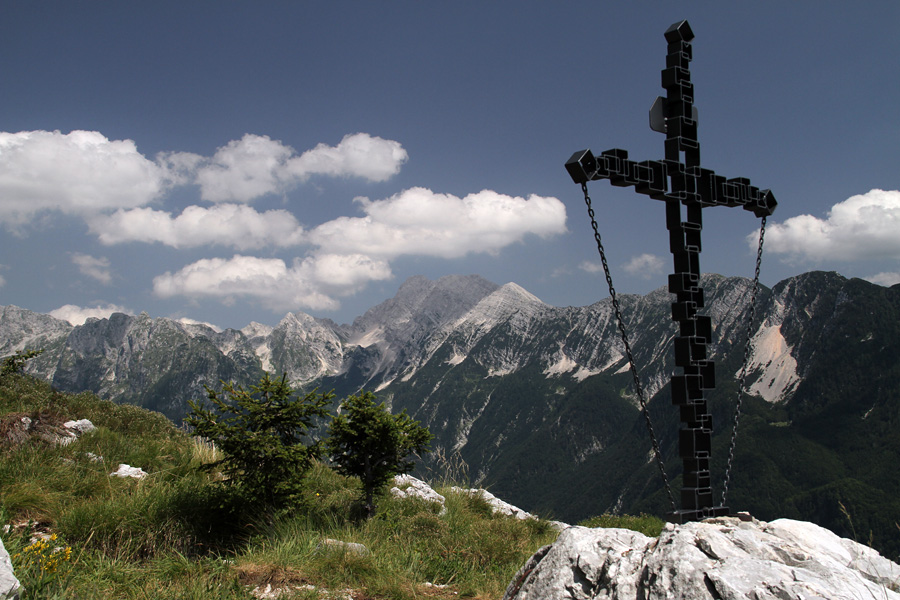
column 188, row 321
column 310, row 283
column 886, row 279
column 644, row 266
column 863, row 227
column 590, row 266
column 244, row 169
column 95, row 268
column 234, row 225
column 86, row 174
column 81, row 172
column 346, row 254
column 419, row 221
column 257, row 165
column 357, row 155
column 77, row 315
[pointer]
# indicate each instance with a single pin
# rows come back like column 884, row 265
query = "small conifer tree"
column 367, row 441
column 264, row 436
column 16, row 363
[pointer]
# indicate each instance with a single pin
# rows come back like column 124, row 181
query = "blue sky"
column 229, row 162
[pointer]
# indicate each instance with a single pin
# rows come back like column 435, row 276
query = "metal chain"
column 621, row 324
column 743, row 376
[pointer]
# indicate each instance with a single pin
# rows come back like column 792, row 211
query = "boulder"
column 69, row 432
column 10, row 588
column 80, row 427
column 407, row 486
column 718, row 559
column 128, row 471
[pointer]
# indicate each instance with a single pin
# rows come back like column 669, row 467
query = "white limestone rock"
column 407, row 486
column 349, row 547
column 80, row 427
column 10, row 588
column 719, row 559
column 71, row 431
column 497, row 505
column 128, row 471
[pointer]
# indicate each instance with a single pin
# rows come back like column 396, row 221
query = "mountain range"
column 538, row 401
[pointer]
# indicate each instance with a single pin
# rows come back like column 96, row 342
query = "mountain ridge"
column 534, row 398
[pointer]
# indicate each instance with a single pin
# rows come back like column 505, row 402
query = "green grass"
column 178, row 533
column 647, row 524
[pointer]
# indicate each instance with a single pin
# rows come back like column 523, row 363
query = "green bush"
column 16, row 362
column 368, row 442
column 264, row 435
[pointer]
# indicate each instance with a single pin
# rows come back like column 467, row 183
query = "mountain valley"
column 539, row 401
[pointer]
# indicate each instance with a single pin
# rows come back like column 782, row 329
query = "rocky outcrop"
column 407, row 486
column 718, row 559
column 18, row 428
column 497, row 505
column 10, row 588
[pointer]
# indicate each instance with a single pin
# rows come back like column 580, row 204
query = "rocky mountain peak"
column 254, row 330
column 21, row 328
column 422, row 305
column 508, row 381
column 501, row 305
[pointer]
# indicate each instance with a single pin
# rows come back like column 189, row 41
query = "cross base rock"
column 726, row 558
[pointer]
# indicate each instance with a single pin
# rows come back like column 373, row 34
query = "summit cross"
column 686, row 188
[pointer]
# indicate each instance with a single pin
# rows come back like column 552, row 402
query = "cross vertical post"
column 686, row 188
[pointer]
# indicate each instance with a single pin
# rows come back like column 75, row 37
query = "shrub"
column 264, row 436
column 368, row 442
column 16, row 362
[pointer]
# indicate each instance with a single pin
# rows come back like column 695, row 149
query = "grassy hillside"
column 176, row 534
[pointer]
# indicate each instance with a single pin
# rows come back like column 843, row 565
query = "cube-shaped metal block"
column 687, row 262
column 694, row 442
column 679, row 32
column 765, row 204
column 582, row 166
column 683, row 282
column 697, row 479
column 682, row 311
column 689, row 350
column 686, row 389
column 694, row 414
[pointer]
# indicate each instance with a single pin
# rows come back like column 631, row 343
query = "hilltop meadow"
column 178, row 533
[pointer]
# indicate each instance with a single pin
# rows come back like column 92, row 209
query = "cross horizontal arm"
column 670, row 180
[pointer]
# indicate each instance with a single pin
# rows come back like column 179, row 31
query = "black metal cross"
column 686, row 188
